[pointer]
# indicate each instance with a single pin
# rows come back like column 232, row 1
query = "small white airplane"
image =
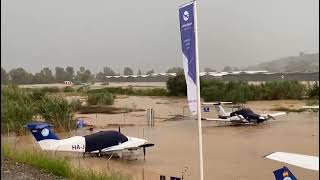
column 103, row 142
column 241, row 116
column 300, row 160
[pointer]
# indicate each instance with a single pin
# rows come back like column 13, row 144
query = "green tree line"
column 238, row 91
column 46, row 76
column 82, row 75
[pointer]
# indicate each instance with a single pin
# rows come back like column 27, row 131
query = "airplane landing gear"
column 99, row 154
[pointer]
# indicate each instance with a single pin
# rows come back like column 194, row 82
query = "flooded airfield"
column 230, row 152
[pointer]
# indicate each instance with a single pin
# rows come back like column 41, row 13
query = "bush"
column 312, row 102
column 58, row 111
column 131, row 91
column 17, row 108
column 177, row 85
column 313, row 91
column 113, row 90
column 77, row 83
column 275, row 90
column 83, row 89
column 50, row 90
column 75, row 104
column 212, row 93
column 68, row 89
column 37, row 95
column 105, row 83
column 237, row 91
column 101, row 98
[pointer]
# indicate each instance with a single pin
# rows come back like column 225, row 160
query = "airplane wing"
column 303, row 161
column 215, row 103
column 133, row 143
column 278, row 114
column 115, row 148
column 119, row 148
column 218, row 120
column 310, row 107
column 274, row 114
column 234, row 119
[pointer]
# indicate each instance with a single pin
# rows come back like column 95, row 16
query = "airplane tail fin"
column 220, row 110
column 41, row 131
column 284, row 173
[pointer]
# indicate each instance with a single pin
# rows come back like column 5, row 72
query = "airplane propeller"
column 272, row 117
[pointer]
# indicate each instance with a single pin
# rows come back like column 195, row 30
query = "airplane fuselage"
column 99, row 142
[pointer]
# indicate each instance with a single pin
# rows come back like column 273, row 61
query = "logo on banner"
column 186, row 16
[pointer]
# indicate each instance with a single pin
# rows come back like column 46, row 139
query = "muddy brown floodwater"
column 230, row 152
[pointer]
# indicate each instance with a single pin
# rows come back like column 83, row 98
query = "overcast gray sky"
column 145, row 33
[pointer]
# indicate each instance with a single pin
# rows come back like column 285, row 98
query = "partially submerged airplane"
column 103, row 142
column 300, row 160
column 241, row 116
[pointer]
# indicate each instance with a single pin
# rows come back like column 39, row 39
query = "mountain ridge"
column 302, row 63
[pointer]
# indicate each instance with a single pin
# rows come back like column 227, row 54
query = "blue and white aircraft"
column 300, row 160
column 241, row 116
column 103, row 142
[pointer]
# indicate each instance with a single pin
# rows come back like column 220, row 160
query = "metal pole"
column 198, row 91
column 183, row 112
column 124, row 118
column 142, row 173
column 148, row 117
column 148, row 121
column 152, row 113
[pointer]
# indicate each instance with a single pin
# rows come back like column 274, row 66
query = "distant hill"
column 302, row 63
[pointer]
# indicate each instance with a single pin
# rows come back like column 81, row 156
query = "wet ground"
column 229, row 152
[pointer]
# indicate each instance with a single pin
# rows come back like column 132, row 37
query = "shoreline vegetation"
column 57, row 165
column 53, row 105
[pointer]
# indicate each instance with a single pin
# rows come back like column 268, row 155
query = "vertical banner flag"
column 186, row 16
column 189, row 43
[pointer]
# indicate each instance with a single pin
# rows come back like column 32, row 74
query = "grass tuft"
column 57, row 165
column 40, row 160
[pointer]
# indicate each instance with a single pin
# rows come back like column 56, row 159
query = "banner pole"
column 198, row 90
